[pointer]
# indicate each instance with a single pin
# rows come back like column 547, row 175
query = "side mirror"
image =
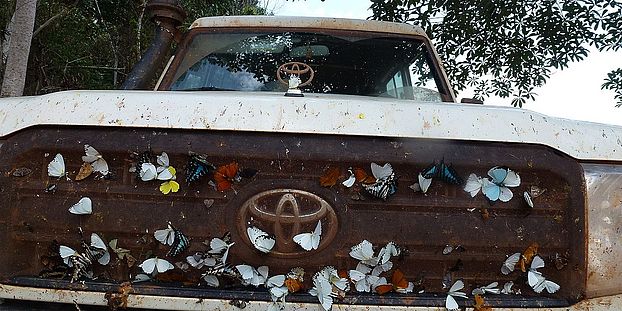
column 471, row 101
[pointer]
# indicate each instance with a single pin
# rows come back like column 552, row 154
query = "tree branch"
column 53, row 18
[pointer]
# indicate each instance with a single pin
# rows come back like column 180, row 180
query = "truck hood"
column 314, row 113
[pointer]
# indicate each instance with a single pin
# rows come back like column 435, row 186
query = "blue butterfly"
column 442, row 171
column 198, row 167
column 180, row 243
column 497, row 187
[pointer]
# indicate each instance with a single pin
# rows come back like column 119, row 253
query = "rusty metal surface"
column 128, row 209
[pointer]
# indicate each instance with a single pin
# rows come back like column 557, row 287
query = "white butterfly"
column 199, row 260
column 450, row 302
column 424, row 183
column 323, row 290
column 252, row 276
column 536, row 280
column 260, row 239
column 488, row 289
column 211, row 280
column 507, row 288
column 330, row 274
column 83, row 207
column 163, row 160
column 351, row 180
column 56, row 168
column 98, row 245
column 147, row 172
column 276, row 287
column 528, row 199
column 219, row 246
column 473, row 185
column 156, row 265
column 165, row 236
column 390, row 250
column 311, row 240
column 504, row 176
column 95, row 159
column 365, row 253
column 381, row 172
column 65, row 253
column 363, row 280
column 510, row 263
column 382, row 267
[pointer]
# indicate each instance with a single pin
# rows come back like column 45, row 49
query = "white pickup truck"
column 280, row 130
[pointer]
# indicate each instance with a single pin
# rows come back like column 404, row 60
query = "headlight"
column 604, row 236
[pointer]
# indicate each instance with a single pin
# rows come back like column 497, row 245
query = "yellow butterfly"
column 170, row 185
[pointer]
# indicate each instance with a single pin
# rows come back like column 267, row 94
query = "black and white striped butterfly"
column 382, row 188
column 97, row 251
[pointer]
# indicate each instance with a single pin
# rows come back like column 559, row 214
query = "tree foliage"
column 93, row 44
column 508, row 48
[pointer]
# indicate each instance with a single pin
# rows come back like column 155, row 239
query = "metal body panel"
column 604, row 197
column 290, row 166
column 328, row 23
column 183, row 303
column 321, row 114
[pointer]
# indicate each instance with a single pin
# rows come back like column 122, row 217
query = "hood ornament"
column 295, row 71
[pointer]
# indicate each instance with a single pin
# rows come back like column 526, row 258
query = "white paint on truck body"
column 315, row 114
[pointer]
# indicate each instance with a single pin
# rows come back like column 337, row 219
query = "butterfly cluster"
column 529, row 261
column 381, row 185
column 93, row 162
column 441, row 171
column 82, row 262
column 496, row 187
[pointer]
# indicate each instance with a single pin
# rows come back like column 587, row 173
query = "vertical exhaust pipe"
column 167, row 16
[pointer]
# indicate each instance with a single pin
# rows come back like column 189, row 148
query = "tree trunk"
column 19, row 48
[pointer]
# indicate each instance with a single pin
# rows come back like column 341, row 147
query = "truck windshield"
column 378, row 66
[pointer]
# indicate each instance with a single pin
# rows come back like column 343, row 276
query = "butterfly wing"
column 85, row 171
column 350, row 181
column 65, row 253
column 458, row 285
column 101, row 166
column 264, row 243
column 163, row 159
column 473, row 185
column 165, row 236
column 148, row 265
column 430, row 171
column 211, row 280
column 451, row 304
column 534, row 278
column 512, row 179
column 330, row 177
column 551, row 287
column 56, row 168
column 510, row 263
column 147, row 172
column 381, row 172
column 276, row 281
column 316, row 235
column 537, row 263
column 83, row 207
column 198, row 167
column 448, row 174
column 304, row 240
column 491, row 190
column 91, row 154
column 505, row 194
column 180, row 243
column 424, row 183
column 163, row 265
column 498, row 174
column 225, row 175
column 165, row 174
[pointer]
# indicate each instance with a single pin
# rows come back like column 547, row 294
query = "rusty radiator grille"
column 288, row 164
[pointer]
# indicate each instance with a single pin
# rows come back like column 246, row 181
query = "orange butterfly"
column 225, row 175
column 330, row 177
column 293, row 285
column 479, row 304
column 398, row 282
column 294, row 280
column 362, row 176
column 527, row 257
